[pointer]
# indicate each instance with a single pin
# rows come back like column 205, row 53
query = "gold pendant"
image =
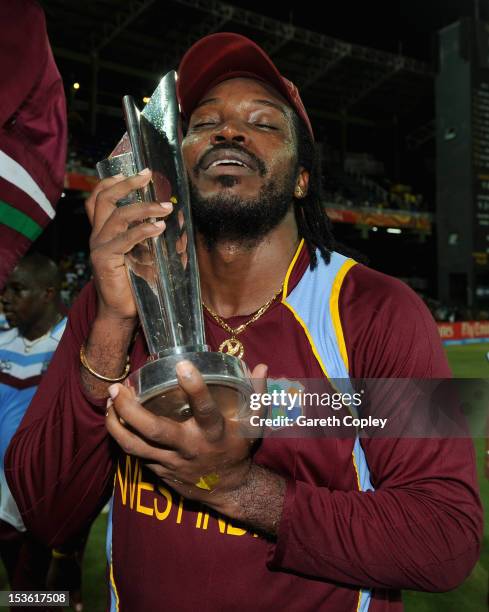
column 232, row 346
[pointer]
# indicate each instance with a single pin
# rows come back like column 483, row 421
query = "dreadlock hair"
column 312, row 221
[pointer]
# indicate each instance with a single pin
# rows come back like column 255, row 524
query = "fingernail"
column 144, row 172
column 159, row 223
column 166, row 205
column 119, row 175
column 185, row 369
column 113, row 391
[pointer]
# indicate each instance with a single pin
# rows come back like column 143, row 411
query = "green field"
column 466, row 362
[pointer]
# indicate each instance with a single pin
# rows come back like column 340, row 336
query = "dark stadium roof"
column 132, row 43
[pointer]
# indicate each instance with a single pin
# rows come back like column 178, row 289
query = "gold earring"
column 298, row 192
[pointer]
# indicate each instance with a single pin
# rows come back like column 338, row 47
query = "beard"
column 230, row 218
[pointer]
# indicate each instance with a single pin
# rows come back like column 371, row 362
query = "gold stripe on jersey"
column 334, row 308
column 289, row 271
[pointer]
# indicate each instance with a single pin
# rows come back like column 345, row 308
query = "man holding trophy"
column 202, row 516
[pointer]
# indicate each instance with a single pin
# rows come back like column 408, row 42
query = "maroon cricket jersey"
column 340, row 546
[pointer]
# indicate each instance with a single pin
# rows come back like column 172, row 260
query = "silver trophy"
column 163, row 271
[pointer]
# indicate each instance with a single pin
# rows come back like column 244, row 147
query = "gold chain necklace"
column 233, row 346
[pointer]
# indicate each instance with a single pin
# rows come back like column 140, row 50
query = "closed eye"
column 203, row 124
column 266, row 125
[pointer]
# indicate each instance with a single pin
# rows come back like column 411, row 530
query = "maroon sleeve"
column 422, row 526
column 33, row 129
column 23, row 53
column 60, row 463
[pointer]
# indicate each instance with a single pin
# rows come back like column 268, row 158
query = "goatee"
column 230, row 218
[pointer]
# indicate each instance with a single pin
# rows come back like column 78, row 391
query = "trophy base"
column 157, row 388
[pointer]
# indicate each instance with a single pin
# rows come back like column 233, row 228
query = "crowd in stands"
column 355, row 190
column 442, row 312
column 446, row 313
column 75, row 273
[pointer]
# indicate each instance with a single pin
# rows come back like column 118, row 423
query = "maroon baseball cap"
column 224, row 56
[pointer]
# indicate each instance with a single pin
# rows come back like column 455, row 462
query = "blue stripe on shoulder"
column 310, row 299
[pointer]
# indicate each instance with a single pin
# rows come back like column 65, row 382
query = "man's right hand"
column 115, row 231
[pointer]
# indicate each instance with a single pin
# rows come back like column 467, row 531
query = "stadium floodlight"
column 394, row 230
column 76, row 85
